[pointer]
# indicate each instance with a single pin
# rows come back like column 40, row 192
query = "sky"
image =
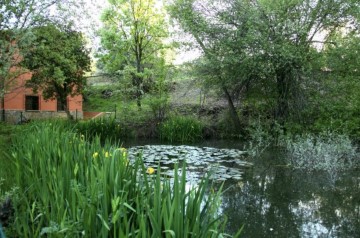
column 92, row 23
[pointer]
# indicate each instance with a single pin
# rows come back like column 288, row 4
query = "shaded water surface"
column 275, row 201
column 272, row 200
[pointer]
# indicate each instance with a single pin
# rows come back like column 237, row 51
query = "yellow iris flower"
column 123, row 151
column 150, row 170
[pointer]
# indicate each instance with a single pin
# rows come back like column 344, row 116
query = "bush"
column 327, row 151
column 181, row 129
column 159, row 107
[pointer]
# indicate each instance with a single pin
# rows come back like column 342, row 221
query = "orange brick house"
column 22, row 103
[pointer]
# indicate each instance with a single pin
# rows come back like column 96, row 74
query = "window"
column 32, row 103
column 60, row 106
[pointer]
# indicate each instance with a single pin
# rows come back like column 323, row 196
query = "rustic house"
column 21, row 103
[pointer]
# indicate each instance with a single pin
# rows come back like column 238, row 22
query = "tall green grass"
column 7, row 132
column 181, row 129
column 104, row 128
column 69, row 187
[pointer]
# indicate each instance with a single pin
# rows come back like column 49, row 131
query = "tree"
column 17, row 19
column 133, row 40
column 290, row 31
column 336, row 94
column 263, row 45
column 57, row 60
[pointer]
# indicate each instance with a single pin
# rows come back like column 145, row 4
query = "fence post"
column 3, row 115
column 115, row 112
column 76, row 115
column 21, row 117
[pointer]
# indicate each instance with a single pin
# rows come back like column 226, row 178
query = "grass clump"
column 70, row 187
column 104, row 128
column 181, row 129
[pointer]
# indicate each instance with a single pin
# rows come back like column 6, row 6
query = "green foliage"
column 133, row 42
column 17, row 21
column 259, row 138
column 7, row 132
column 58, row 61
column 95, row 101
column 336, row 98
column 69, row 187
column 267, row 47
column 329, row 152
column 159, row 106
column 181, row 129
column 127, row 112
column 102, row 128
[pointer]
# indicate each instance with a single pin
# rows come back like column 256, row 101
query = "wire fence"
column 20, row 117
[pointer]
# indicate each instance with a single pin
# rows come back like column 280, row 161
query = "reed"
column 70, row 187
column 7, row 132
column 104, row 128
column 181, row 129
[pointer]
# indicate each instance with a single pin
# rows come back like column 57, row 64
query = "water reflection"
column 274, row 201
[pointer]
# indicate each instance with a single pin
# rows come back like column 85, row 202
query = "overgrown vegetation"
column 327, row 151
column 133, row 43
column 266, row 56
column 7, row 133
column 105, row 129
column 181, row 129
column 70, row 187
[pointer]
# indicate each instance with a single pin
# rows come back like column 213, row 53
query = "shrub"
column 261, row 135
column 327, row 151
column 159, row 106
column 181, row 129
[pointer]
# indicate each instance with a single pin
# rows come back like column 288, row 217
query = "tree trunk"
column 232, row 109
column 66, row 108
column 3, row 108
column 283, row 89
column 138, row 99
column 68, row 114
column 138, row 93
column 233, row 113
column 137, row 82
column 2, row 99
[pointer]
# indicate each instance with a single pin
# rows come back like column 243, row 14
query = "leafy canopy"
column 18, row 18
column 263, row 46
column 133, row 41
column 58, row 61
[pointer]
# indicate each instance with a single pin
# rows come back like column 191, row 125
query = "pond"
column 265, row 196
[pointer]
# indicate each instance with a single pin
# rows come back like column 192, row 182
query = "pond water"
column 270, row 199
